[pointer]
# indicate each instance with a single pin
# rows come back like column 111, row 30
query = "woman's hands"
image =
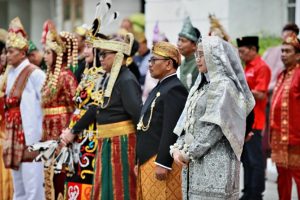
column 180, row 159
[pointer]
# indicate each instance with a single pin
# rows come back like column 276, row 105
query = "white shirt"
column 31, row 111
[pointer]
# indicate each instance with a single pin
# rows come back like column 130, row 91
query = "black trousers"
column 254, row 170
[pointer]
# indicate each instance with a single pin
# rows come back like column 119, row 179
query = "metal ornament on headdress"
column 54, row 42
column 123, row 47
column 216, row 28
column 16, row 35
column 188, row 30
column 81, row 30
column 48, row 25
column 292, row 40
column 71, row 44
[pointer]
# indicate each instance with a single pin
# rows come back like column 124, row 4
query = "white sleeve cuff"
column 163, row 166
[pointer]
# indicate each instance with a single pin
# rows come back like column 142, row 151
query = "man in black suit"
column 158, row 176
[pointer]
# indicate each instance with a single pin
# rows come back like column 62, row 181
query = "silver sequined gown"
column 214, row 173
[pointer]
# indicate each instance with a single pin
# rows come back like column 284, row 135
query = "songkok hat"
column 247, row 41
column 167, row 50
column 17, row 37
column 32, row 47
column 3, row 35
column 188, row 31
column 292, row 40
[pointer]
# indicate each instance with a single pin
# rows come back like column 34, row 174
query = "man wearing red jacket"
column 284, row 119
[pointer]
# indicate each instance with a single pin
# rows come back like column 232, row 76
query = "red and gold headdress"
column 62, row 44
column 54, row 42
column 292, row 40
column 17, row 37
column 48, row 25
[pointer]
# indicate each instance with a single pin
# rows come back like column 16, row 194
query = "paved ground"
column 271, row 185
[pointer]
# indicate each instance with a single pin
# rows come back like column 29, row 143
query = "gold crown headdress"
column 54, row 42
column 216, row 28
column 63, row 43
column 16, row 35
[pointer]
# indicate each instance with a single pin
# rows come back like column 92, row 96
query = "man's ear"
column 23, row 53
column 194, row 46
column 170, row 64
column 253, row 48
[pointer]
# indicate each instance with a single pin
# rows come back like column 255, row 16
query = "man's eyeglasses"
column 152, row 60
column 103, row 54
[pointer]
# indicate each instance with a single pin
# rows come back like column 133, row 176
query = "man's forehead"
column 13, row 49
column 243, row 47
column 287, row 47
column 183, row 38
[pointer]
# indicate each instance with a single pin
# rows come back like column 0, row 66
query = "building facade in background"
column 239, row 17
column 65, row 13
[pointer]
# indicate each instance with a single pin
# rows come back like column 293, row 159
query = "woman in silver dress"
column 214, row 122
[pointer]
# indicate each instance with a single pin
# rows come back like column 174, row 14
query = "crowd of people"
column 110, row 118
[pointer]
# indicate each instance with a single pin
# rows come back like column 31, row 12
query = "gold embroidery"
column 112, row 130
column 83, row 172
column 57, row 110
column 140, row 125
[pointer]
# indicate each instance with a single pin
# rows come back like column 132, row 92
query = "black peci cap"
column 247, row 41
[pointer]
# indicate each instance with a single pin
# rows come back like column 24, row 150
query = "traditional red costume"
column 285, row 129
column 57, row 100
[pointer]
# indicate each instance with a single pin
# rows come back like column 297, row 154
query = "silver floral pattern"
column 214, row 171
column 214, row 122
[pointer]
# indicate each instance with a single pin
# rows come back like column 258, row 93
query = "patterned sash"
column 14, row 150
